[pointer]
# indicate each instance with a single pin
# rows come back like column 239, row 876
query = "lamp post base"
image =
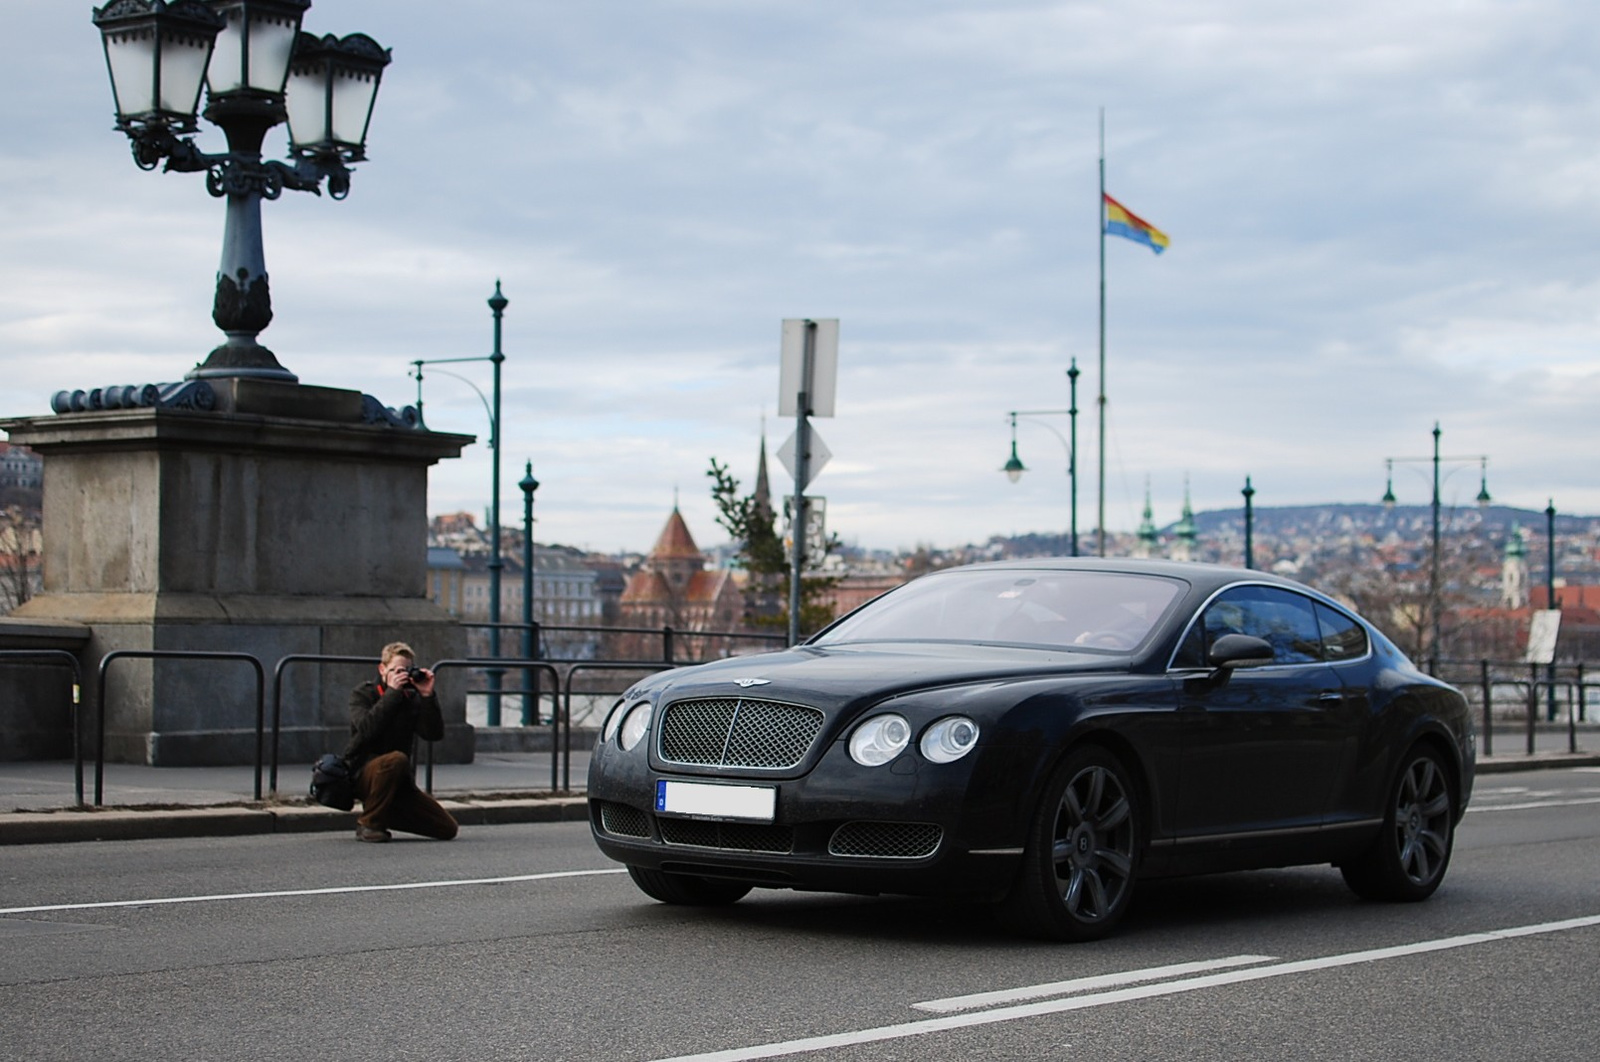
column 241, row 359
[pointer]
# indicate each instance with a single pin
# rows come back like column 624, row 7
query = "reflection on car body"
column 1041, row 735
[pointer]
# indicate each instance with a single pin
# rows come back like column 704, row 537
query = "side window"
column 1342, row 637
column 1284, row 620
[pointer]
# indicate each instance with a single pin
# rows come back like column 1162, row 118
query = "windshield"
column 1049, row 609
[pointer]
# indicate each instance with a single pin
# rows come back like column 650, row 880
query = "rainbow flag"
column 1120, row 221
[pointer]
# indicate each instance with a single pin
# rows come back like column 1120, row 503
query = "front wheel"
column 686, row 889
column 1407, row 861
column 1082, row 853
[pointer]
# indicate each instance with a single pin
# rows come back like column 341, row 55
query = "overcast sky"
column 1381, row 215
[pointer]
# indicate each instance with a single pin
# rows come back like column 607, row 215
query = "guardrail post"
column 1572, row 716
column 1533, row 702
column 1488, row 708
column 666, row 644
column 1582, row 707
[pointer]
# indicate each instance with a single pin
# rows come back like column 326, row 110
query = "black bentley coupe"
column 1042, row 734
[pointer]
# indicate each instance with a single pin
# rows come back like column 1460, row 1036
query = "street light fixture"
column 528, row 485
column 259, row 70
column 1435, row 605
column 497, row 306
column 1249, row 493
column 1014, row 468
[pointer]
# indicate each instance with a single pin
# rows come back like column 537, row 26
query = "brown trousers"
column 390, row 800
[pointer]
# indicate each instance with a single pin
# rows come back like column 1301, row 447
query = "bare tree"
column 19, row 555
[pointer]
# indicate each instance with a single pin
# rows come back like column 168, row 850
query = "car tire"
column 1082, row 853
column 1407, row 860
column 686, row 889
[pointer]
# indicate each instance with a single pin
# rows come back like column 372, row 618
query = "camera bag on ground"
column 332, row 784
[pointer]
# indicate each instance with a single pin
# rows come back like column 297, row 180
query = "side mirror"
column 1240, row 650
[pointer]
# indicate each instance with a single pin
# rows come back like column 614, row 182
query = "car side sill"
column 1265, row 835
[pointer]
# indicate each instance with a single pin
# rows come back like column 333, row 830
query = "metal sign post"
column 808, row 371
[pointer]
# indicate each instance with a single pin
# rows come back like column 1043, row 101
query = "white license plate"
column 753, row 803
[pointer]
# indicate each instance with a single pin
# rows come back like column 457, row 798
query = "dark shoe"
column 367, row 833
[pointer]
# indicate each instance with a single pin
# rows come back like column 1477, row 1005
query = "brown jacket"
column 384, row 720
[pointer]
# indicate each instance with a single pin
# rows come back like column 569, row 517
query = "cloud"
column 1382, row 216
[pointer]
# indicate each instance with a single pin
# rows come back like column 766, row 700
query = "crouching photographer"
column 386, row 718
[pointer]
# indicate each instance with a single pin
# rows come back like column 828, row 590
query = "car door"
column 1261, row 745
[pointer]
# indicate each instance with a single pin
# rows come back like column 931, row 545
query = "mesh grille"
column 886, row 840
column 740, row 836
column 623, row 821
column 730, row 732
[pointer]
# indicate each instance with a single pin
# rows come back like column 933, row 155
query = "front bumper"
column 909, row 827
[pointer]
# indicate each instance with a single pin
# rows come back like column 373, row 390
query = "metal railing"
column 1482, row 680
column 277, row 698
column 171, row 654
column 1493, row 686
column 74, row 707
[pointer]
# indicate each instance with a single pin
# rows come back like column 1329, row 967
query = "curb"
column 1540, row 762
column 136, row 824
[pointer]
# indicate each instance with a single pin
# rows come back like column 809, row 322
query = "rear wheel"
column 686, row 889
column 1407, row 861
column 1082, row 853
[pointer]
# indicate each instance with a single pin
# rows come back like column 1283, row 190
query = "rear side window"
column 1342, row 637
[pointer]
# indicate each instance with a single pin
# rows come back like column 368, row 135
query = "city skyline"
column 1379, row 219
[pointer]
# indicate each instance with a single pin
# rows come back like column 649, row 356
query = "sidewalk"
column 37, row 802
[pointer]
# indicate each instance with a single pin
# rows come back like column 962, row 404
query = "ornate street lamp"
column 260, row 70
column 1014, row 468
column 1435, row 604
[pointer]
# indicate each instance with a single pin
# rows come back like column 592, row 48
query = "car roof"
column 1204, row 577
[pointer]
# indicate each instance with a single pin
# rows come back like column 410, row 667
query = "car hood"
column 830, row 676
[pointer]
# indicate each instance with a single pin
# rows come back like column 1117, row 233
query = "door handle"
column 1330, row 697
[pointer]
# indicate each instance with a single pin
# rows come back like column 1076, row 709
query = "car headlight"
column 949, row 739
column 879, row 740
column 635, row 725
column 613, row 721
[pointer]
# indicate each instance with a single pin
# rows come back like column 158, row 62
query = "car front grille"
column 886, row 840
column 734, row 732
column 738, row 836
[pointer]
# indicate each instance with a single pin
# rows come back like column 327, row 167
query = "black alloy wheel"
column 1083, row 851
column 686, row 889
column 1407, row 861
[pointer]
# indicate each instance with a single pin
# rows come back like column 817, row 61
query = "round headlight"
column 949, row 739
column 635, row 725
column 879, row 740
column 613, row 720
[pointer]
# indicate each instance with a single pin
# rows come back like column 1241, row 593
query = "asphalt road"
column 522, row 942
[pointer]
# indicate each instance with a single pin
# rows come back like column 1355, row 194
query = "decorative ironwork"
column 243, row 305
column 187, row 394
column 375, row 412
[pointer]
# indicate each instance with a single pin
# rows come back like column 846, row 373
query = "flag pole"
column 1100, row 527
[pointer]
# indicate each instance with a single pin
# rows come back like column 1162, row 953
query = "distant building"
column 1514, row 571
column 564, row 596
column 673, row 588
column 20, row 467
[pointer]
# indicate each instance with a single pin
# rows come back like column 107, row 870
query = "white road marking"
column 215, row 897
column 1124, row 995
column 1085, row 984
column 1529, row 805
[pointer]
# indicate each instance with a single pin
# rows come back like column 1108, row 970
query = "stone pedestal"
column 278, row 521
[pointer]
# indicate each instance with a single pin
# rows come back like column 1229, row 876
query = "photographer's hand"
column 423, row 680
